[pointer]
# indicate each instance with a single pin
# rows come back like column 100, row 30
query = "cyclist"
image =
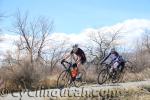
column 117, row 62
column 78, row 56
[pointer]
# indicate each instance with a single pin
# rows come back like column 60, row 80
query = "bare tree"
column 142, row 51
column 33, row 35
column 146, row 40
column 140, row 55
column 33, row 42
column 53, row 55
column 56, row 54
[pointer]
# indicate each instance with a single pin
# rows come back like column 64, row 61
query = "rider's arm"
column 105, row 58
column 67, row 56
column 75, row 58
column 78, row 59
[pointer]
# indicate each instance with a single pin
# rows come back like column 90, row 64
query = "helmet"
column 75, row 47
column 113, row 50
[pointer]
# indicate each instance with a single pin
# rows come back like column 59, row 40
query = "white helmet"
column 75, row 47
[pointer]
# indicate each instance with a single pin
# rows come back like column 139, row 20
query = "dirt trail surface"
column 87, row 91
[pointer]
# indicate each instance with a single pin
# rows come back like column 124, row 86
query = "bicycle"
column 65, row 79
column 105, row 74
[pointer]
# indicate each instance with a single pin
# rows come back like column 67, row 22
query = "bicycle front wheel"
column 103, row 76
column 63, row 79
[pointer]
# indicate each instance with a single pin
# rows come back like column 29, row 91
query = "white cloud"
column 131, row 29
column 7, row 42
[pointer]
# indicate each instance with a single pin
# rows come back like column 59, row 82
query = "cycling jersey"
column 80, row 53
column 116, row 60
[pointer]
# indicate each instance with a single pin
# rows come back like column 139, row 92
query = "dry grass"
column 134, row 93
column 140, row 76
column 20, row 76
column 25, row 76
column 49, row 82
column 91, row 76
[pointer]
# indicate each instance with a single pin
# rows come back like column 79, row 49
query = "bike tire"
column 63, row 79
column 118, row 77
column 103, row 76
column 115, row 78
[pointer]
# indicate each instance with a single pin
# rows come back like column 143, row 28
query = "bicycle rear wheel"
column 118, row 77
column 103, row 76
column 63, row 79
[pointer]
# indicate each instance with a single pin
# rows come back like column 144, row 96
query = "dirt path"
column 88, row 91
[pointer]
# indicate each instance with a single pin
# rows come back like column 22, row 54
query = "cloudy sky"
column 75, row 19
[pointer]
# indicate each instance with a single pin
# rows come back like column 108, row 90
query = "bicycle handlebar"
column 63, row 63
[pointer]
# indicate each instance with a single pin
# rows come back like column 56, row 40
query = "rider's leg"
column 79, row 65
column 114, row 66
column 121, row 67
column 80, row 68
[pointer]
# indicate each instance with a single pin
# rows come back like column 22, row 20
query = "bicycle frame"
column 67, row 68
column 106, row 66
